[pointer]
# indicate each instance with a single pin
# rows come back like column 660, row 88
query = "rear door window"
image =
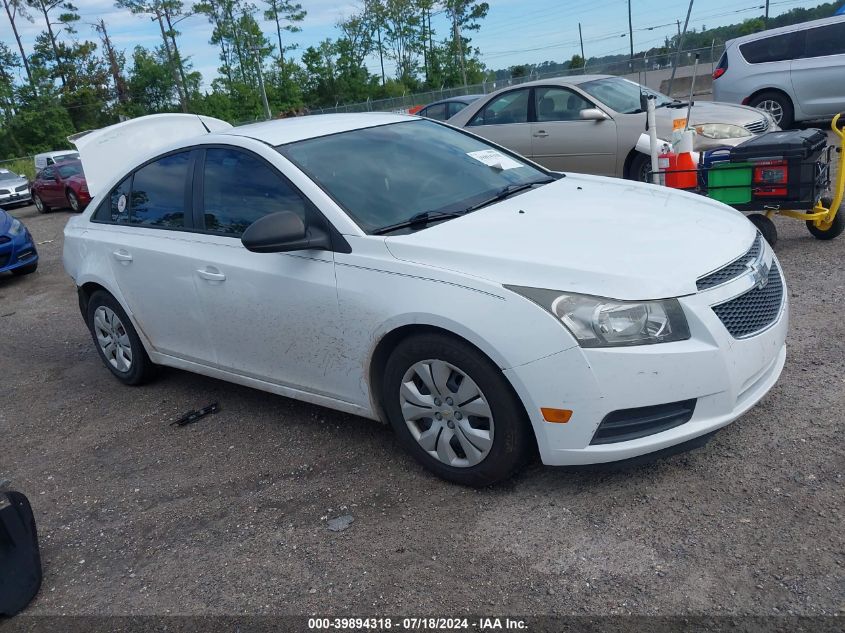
column 159, row 192
column 239, row 188
column 436, row 111
column 511, row 107
column 826, row 40
column 115, row 207
column 777, row 48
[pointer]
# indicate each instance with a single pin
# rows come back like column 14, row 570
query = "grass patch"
column 25, row 166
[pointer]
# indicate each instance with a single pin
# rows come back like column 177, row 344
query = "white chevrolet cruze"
column 400, row 269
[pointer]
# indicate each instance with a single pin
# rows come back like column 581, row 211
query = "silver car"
column 14, row 188
column 591, row 123
column 795, row 72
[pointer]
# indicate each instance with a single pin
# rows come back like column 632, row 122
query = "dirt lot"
column 229, row 516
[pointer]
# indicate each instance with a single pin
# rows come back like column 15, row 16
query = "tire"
column 108, row 323
column 39, row 204
column 73, row 201
column 778, row 105
column 766, row 227
column 25, row 270
column 834, row 229
column 491, row 408
column 639, row 168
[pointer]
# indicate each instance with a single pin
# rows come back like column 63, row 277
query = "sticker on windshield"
column 494, row 159
column 121, row 203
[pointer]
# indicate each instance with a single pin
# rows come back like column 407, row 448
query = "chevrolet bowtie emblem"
column 759, row 273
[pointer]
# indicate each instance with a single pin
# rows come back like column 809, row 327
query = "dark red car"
column 59, row 186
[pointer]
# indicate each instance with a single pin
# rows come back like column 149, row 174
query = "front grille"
column 732, row 270
column 630, row 424
column 755, row 310
column 22, row 188
column 758, row 127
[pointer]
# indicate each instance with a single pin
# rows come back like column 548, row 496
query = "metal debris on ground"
column 192, row 416
column 339, row 524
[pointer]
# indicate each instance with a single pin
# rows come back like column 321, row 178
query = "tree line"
column 65, row 83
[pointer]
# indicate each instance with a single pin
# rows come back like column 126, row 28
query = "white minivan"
column 797, row 72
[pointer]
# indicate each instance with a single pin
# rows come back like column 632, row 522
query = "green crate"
column 730, row 182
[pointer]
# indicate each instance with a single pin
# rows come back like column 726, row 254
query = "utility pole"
column 114, row 67
column 631, row 37
column 767, row 14
column 460, row 44
column 581, row 37
column 257, row 52
column 680, row 46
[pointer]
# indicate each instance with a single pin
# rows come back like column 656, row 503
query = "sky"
column 514, row 31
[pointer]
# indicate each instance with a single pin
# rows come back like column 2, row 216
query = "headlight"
column 16, row 228
column 722, row 131
column 600, row 322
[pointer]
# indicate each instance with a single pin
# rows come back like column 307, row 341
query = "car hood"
column 590, row 235
column 708, row 112
column 13, row 183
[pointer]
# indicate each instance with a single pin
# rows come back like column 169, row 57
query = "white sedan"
column 400, row 269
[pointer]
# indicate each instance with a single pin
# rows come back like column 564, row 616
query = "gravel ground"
column 230, row 515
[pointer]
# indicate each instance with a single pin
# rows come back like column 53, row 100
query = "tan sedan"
column 591, row 123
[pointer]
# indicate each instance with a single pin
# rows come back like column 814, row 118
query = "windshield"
column 5, row 174
column 66, row 171
column 621, row 94
column 60, row 158
column 389, row 174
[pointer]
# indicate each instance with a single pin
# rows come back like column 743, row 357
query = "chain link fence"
column 650, row 70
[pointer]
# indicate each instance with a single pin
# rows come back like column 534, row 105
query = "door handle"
column 541, row 134
column 122, row 256
column 210, row 273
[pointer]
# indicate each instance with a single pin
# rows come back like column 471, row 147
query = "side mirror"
column 593, row 114
column 282, row 232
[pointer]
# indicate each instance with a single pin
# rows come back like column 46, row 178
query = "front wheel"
column 640, row 168
column 116, row 340
column 454, row 411
column 829, row 230
column 73, row 201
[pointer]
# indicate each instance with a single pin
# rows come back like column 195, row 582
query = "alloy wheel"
column 113, row 339
column 39, row 204
column 73, row 200
column 772, row 107
column 446, row 413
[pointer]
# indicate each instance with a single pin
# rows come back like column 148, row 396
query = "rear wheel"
column 454, row 411
column 116, row 340
column 39, row 204
column 766, row 227
column 827, row 230
column 778, row 105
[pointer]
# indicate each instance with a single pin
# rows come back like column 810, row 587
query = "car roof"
column 801, row 26
column 291, row 130
column 461, row 98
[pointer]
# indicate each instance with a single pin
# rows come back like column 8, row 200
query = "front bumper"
column 725, row 376
column 16, row 197
column 17, row 252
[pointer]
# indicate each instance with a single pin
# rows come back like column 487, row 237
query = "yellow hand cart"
column 772, row 184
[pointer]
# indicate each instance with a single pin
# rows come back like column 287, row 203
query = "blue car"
column 17, row 249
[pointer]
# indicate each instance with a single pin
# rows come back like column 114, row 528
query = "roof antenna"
column 203, row 124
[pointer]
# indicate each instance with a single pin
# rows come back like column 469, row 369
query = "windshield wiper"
column 507, row 191
column 419, row 220
column 676, row 103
